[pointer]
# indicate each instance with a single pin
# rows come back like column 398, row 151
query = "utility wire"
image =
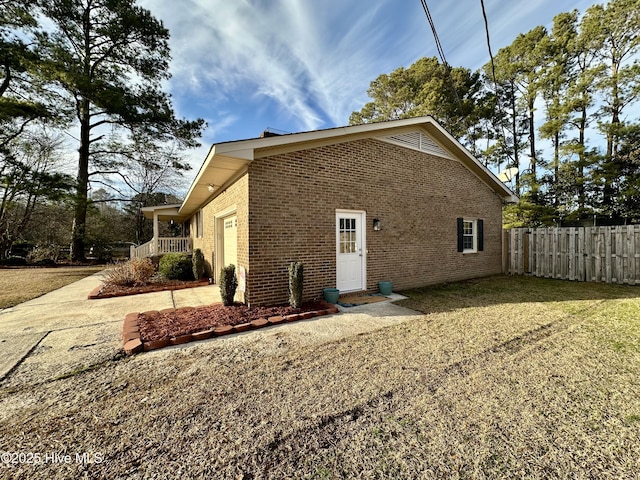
column 441, row 54
column 496, row 104
column 486, row 29
column 435, row 33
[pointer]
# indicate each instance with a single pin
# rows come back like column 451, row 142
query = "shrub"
column 45, row 262
column 119, row 275
column 198, row 264
column 228, row 284
column 296, row 280
column 176, row 266
column 14, row 261
column 44, row 254
column 142, row 269
column 134, row 272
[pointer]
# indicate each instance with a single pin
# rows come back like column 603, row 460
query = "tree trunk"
column 78, row 230
column 82, row 187
column 556, row 168
column 532, row 143
column 514, row 127
column 581, row 159
column 608, row 191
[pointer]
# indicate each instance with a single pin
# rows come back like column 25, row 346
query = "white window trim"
column 474, row 224
column 199, row 224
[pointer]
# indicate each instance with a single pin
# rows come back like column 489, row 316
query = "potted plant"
column 331, row 295
column 385, row 287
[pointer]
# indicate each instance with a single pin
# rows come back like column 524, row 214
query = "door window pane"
column 347, row 235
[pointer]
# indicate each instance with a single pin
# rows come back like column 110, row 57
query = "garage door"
column 230, row 247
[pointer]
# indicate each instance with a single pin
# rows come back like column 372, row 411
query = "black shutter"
column 480, row 235
column 460, row 234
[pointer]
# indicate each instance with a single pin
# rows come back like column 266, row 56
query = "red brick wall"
column 293, row 200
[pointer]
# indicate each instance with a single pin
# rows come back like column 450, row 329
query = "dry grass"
column 18, row 285
column 502, row 378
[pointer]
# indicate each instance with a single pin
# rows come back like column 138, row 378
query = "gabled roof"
column 227, row 161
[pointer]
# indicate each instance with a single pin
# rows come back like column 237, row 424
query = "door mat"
column 354, row 300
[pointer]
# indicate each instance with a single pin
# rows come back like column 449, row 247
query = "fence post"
column 513, row 252
column 505, row 251
column 608, row 254
column 580, row 256
column 619, row 236
column 631, row 233
column 588, row 252
column 525, row 252
column 571, row 254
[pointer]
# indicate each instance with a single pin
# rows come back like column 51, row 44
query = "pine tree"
column 109, row 57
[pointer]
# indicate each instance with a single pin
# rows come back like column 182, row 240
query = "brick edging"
column 133, row 343
column 95, row 293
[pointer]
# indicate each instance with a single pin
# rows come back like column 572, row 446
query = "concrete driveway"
column 62, row 332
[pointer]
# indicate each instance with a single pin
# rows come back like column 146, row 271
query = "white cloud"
column 312, row 59
column 308, row 64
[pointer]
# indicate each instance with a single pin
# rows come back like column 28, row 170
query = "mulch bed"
column 173, row 323
column 110, row 291
column 157, row 329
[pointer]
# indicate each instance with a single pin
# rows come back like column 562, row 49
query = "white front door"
column 230, row 241
column 350, row 248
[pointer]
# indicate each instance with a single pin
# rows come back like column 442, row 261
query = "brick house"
column 400, row 201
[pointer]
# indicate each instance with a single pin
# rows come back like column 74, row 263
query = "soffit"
column 165, row 213
column 220, row 171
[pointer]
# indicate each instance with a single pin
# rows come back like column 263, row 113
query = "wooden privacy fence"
column 592, row 254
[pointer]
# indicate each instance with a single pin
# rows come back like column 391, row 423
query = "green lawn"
column 18, row 285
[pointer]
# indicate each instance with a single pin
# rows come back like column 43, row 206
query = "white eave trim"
column 163, row 211
column 243, row 152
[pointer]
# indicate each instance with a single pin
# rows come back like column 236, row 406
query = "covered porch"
column 160, row 245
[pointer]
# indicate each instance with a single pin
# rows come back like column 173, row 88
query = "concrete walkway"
column 62, row 332
column 66, row 330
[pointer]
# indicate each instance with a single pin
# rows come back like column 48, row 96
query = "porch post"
column 156, row 233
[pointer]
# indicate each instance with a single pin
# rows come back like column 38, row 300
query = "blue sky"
column 297, row 65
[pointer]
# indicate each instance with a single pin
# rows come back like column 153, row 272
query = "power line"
column 486, row 29
column 435, row 33
column 441, row 53
column 496, row 104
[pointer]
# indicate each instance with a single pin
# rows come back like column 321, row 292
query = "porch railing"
column 162, row 245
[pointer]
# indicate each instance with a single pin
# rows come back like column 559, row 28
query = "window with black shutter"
column 470, row 235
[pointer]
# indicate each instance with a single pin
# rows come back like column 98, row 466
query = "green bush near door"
column 176, row 266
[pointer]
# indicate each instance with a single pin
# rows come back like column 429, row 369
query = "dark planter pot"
column 385, row 288
column 331, row 295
